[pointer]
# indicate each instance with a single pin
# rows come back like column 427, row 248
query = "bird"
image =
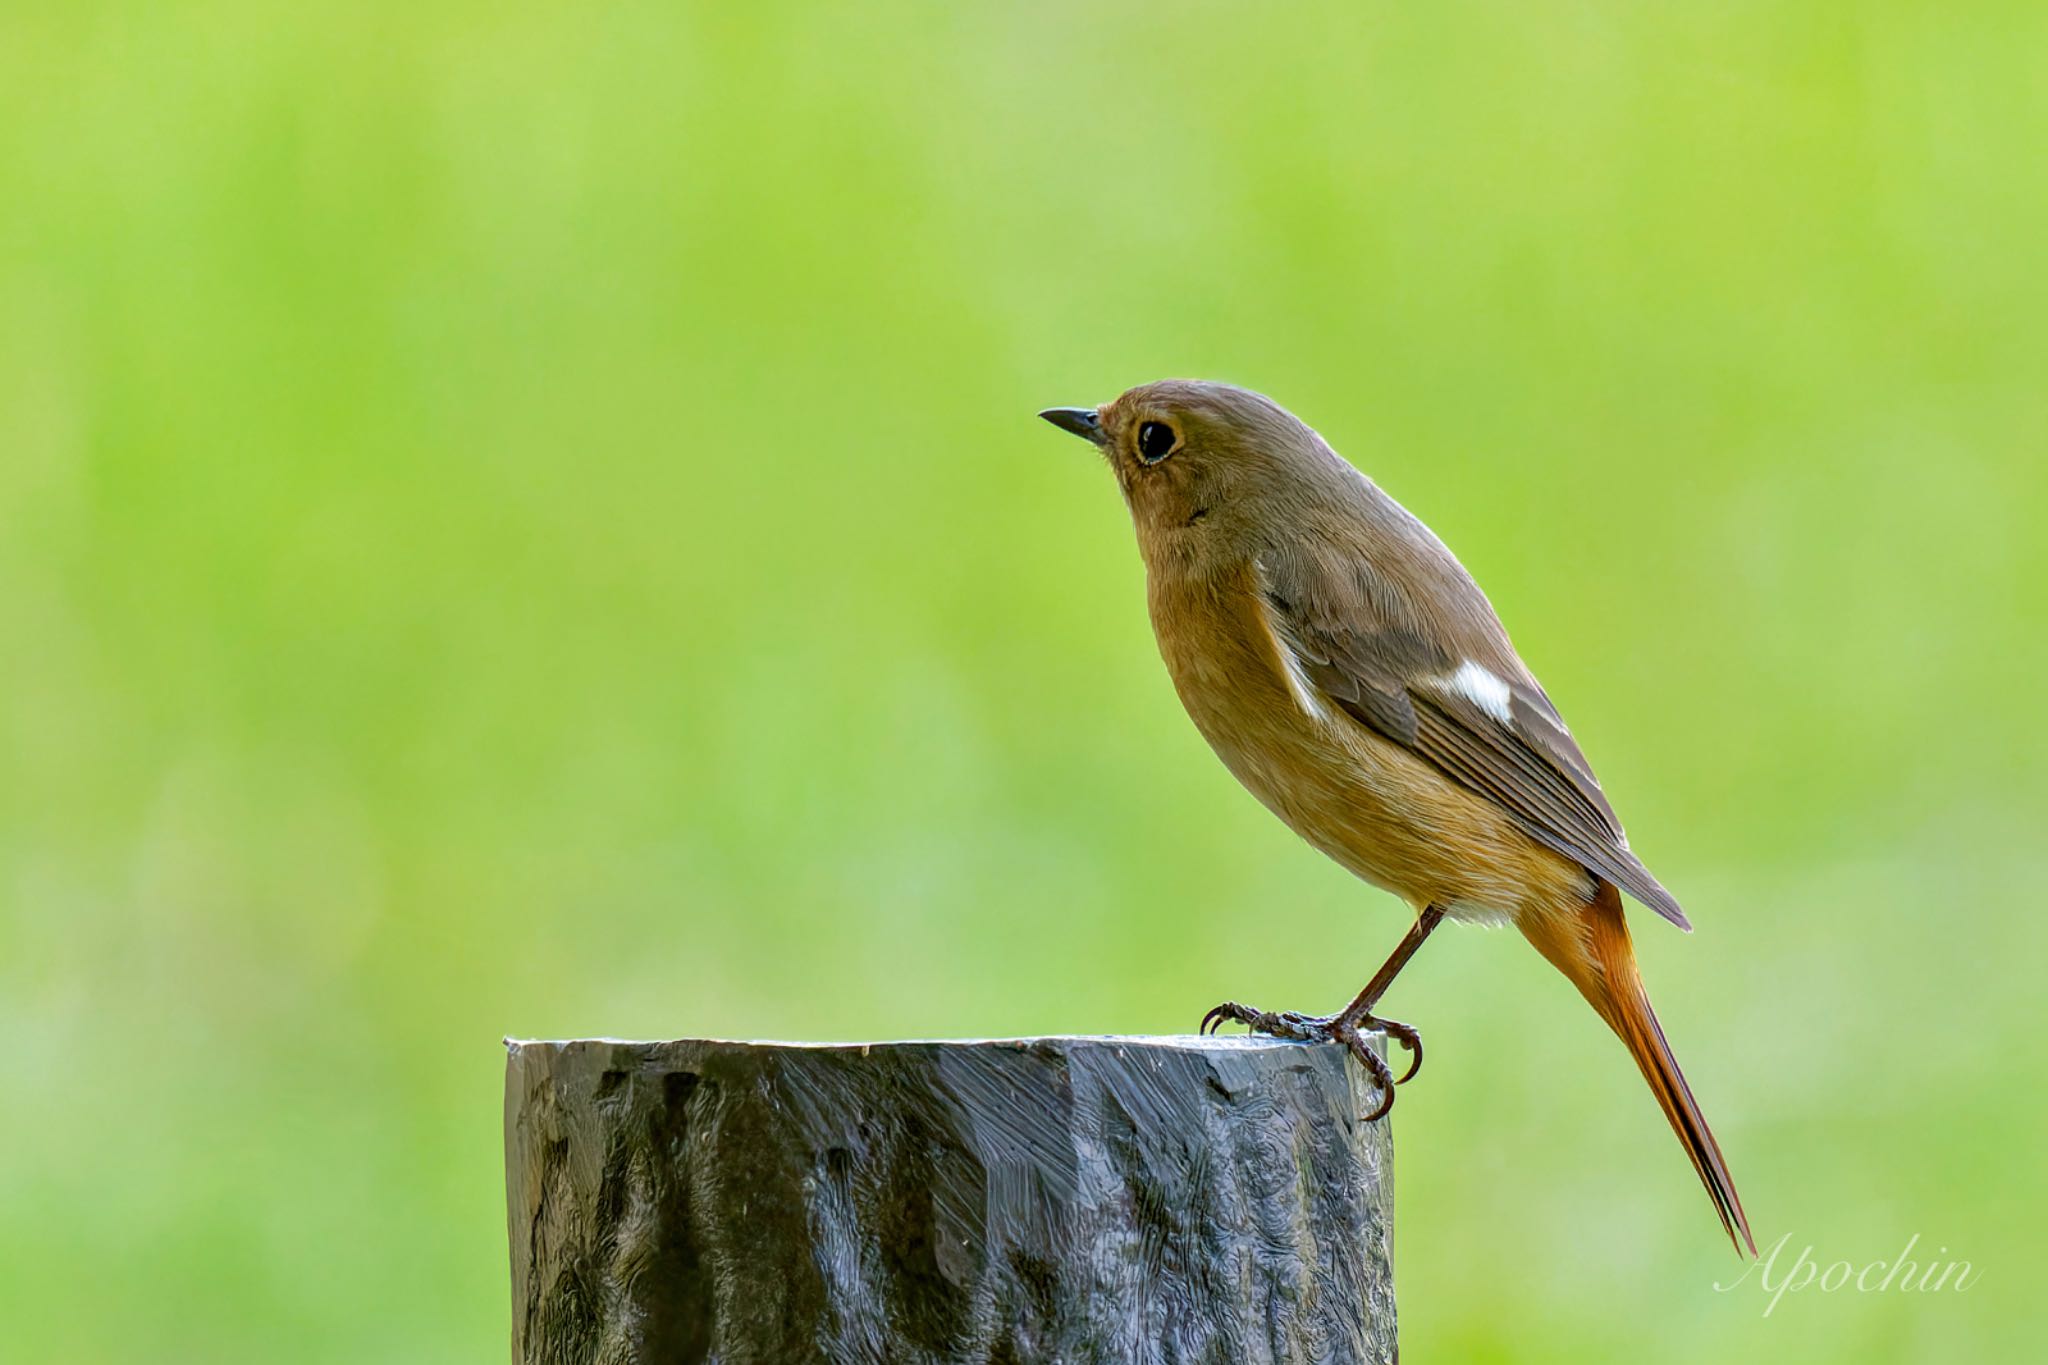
column 1351, row 674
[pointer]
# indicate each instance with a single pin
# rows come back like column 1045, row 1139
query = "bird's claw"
column 1312, row 1028
column 1406, row 1036
column 1300, row 1027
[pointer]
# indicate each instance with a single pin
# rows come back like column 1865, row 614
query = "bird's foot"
column 1330, row 1028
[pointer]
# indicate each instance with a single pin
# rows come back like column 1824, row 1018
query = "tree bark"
column 1035, row 1200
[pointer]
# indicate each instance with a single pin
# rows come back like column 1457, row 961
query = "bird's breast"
column 1377, row 809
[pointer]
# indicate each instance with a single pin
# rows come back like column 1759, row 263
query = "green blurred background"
column 529, row 520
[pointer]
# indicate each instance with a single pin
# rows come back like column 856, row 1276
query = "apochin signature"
column 1898, row 1275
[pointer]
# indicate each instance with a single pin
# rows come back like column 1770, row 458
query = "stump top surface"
column 1050, row 1042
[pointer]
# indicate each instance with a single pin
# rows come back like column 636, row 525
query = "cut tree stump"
column 1033, row 1200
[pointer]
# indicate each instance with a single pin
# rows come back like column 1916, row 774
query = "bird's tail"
column 1593, row 950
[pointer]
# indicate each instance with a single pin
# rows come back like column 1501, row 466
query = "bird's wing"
column 1499, row 736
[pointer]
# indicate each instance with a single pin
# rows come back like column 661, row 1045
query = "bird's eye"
column 1155, row 442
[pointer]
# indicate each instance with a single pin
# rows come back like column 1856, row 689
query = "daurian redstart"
column 1349, row 672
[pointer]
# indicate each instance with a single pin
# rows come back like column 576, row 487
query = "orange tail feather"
column 1593, row 950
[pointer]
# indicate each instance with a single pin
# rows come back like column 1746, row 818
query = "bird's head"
column 1201, row 462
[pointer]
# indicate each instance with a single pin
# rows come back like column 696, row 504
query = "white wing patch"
column 1304, row 691
column 1297, row 681
column 1477, row 684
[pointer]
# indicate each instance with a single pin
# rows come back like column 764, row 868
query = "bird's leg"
column 1349, row 1025
column 1358, row 1014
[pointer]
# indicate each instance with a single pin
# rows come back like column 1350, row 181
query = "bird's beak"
column 1081, row 422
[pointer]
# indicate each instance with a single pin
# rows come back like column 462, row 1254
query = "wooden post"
column 1035, row 1200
